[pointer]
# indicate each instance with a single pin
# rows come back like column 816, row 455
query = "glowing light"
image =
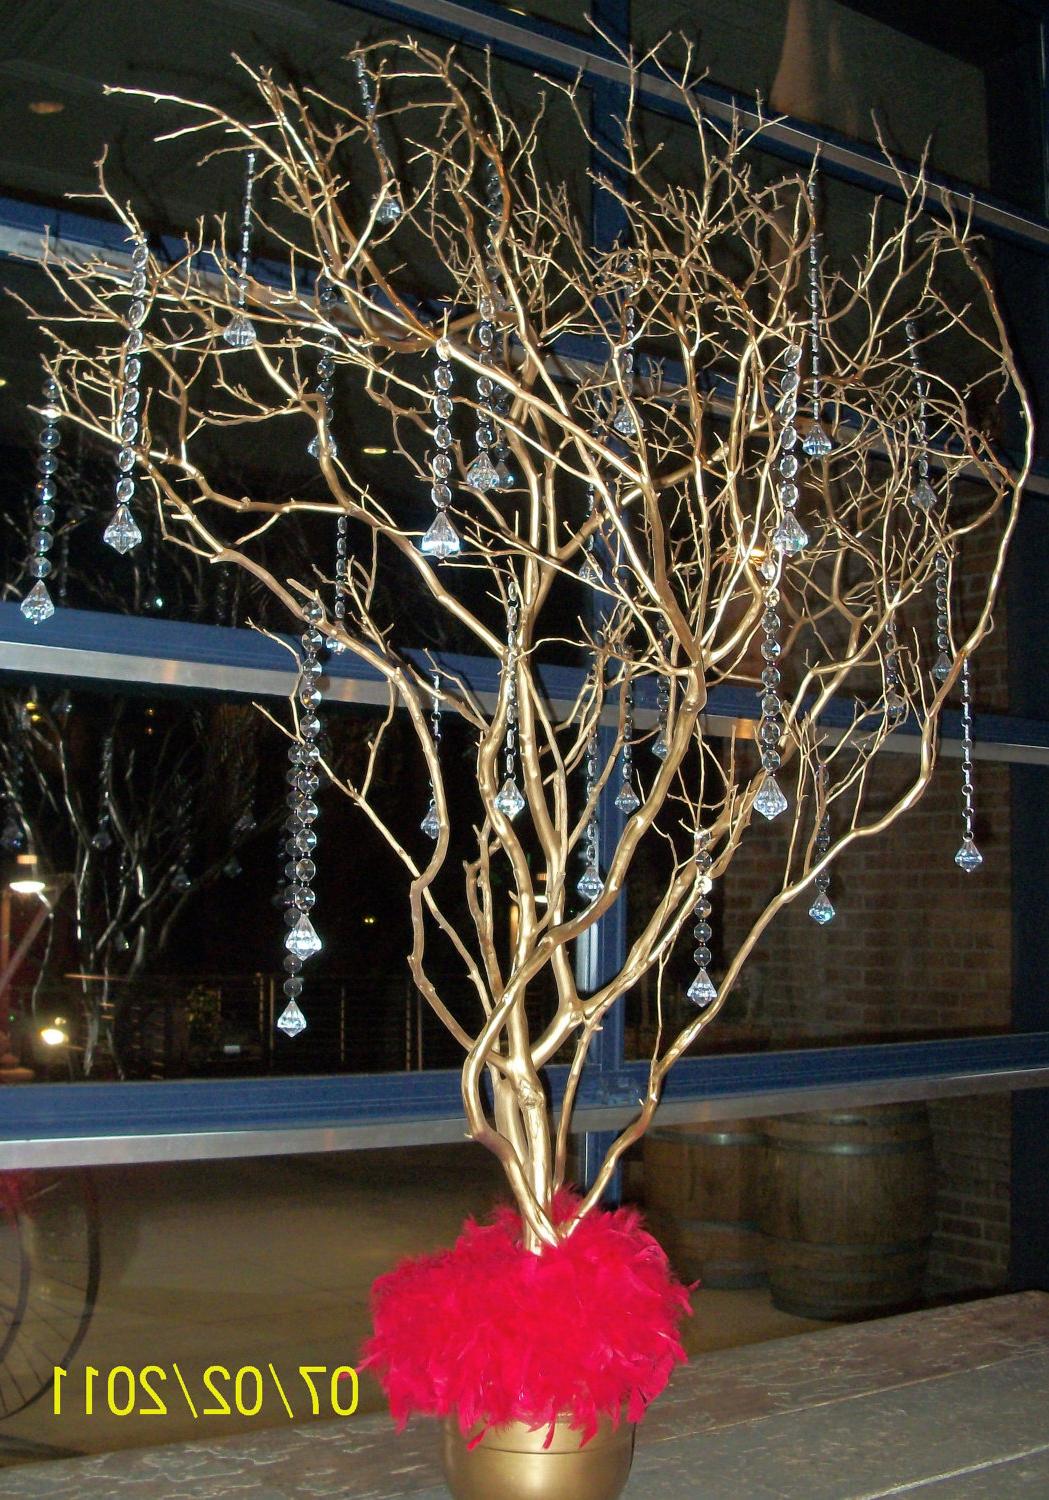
column 53, row 1036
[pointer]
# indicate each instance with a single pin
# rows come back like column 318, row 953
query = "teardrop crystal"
column 37, row 606
column 821, row 910
column 122, row 533
column 481, row 474
column 431, row 824
column 239, row 333
column 923, row 496
column 968, row 857
column 623, row 422
column 702, row 990
column 302, row 939
column 628, row 801
column 770, row 801
column 509, row 801
column 291, row 1019
column 789, row 536
column 590, row 884
column 816, row 443
column 441, row 540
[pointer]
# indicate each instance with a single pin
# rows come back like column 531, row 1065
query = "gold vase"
column 511, row 1463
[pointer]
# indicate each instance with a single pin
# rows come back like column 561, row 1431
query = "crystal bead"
column 126, row 460
column 138, row 284
column 431, row 824
column 133, row 342
column 136, row 313
column 771, row 703
column 37, row 606
column 481, row 473
column 590, row 885
column 442, row 378
column 821, row 910
column 441, row 465
column 771, row 677
column 589, row 572
column 661, row 748
column 968, row 857
column 816, row 443
column 510, row 801
column 50, row 437
column 139, row 257
column 771, row 649
column 702, row 932
column 182, row 880
column 40, row 541
column 770, row 801
column 771, row 759
column 627, row 801
column 792, row 356
column 313, row 447
column 443, row 407
column 302, row 940
column 102, row 839
column 441, row 539
column 292, row 986
column 128, row 430
column 702, row 955
column 895, row 705
column 923, row 496
column 46, row 491
column 702, row 991
column 122, row 533
column 788, row 437
column 125, row 490
column 389, row 210
column 788, row 465
column 291, row 1019
column 239, row 333
column 788, row 494
column 789, row 536
column 442, row 435
column 623, row 422
column 46, row 464
column 790, row 381
column 942, row 667
column 43, row 515
column 441, row 495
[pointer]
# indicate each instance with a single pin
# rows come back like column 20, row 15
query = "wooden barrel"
column 847, row 1211
column 703, row 1186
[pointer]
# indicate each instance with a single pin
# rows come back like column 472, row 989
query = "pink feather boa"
column 492, row 1334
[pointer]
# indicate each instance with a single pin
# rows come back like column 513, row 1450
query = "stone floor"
column 251, row 1262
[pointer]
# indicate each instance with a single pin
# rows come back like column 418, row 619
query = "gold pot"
column 511, row 1463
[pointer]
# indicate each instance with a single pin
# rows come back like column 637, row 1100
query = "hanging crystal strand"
column 325, row 375
column 923, row 496
column 817, row 444
column 788, row 536
column 785, row 538
column 302, row 941
column 942, row 666
column 702, row 989
column 482, row 473
column 590, row 885
column 431, row 824
column 895, row 702
column 123, row 532
column 441, row 540
column 623, row 420
column 661, row 743
column 240, row 333
column 510, row 801
column 627, row 799
column 390, row 207
column 496, row 398
column 968, row 857
column 37, row 606
column 102, row 838
column 342, row 563
column 822, row 910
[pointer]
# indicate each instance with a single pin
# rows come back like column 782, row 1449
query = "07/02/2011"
column 149, row 1390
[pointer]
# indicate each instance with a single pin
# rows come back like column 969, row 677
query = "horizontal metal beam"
column 91, row 1124
column 121, row 649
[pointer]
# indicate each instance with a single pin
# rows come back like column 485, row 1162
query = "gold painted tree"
column 697, row 457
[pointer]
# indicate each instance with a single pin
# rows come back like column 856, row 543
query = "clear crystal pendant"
column 702, row 990
column 628, row 801
column 623, row 422
column 302, row 940
column 509, row 801
column 895, row 705
column 313, row 447
column 661, row 748
column 822, row 910
column 504, row 478
column 431, row 824
column 122, row 533
column 390, row 210
column 789, row 536
column 816, row 443
column 590, row 573
column 481, row 474
column 37, row 606
column 968, row 857
column 923, row 496
column 239, row 332
column 291, row 1019
column 441, row 540
column 770, row 801
column 590, row 885
column 942, row 668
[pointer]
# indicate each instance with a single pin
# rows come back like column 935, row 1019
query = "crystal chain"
column 968, row 857
column 325, row 386
column 431, row 824
column 923, row 496
column 509, row 800
column 702, row 990
column 240, row 333
column 441, row 540
column 388, row 207
column 822, row 910
column 37, row 606
column 123, row 532
column 816, row 444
